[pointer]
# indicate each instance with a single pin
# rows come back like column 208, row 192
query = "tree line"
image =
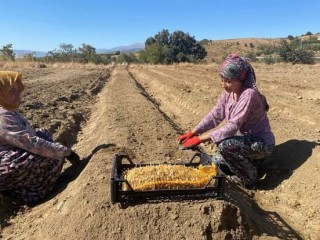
column 163, row 48
column 167, row 48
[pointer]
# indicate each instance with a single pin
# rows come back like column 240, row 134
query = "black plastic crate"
column 122, row 162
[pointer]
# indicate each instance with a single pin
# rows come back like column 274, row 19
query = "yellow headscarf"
column 7, row 79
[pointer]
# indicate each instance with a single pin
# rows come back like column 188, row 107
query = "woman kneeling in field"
column 247, row 137
column 30, row 161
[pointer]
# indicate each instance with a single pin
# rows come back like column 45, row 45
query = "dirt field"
column 140, row 110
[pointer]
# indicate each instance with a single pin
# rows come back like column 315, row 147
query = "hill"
column 217, row 50
column 21, row 53
column 129, row 48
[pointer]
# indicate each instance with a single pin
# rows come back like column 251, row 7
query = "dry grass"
column 64, row 65
column 16, row 64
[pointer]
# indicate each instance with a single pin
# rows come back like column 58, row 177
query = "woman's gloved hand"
column 73, row 158
column 191, row 142
column 185, row 137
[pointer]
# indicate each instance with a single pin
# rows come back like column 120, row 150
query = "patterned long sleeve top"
column 16, row 132
column 246, row 115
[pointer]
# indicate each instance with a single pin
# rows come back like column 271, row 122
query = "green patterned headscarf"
column 239, row 69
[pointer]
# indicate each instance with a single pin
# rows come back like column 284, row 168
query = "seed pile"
column 166, row 176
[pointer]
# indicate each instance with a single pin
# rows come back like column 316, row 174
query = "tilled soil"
column 140, row 110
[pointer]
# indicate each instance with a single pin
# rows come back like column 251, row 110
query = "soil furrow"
column 140, row 110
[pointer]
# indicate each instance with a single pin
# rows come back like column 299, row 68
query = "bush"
column 7, row 53
column 252, row 56
column 169, row 48
column 294, row 53
column 267, row 49
column 126, row 58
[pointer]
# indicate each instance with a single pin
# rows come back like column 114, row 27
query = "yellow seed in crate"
column 208, row 169
column 166, row 176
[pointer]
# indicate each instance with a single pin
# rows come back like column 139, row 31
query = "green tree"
column 181, row 44
column 65, row 53
column 154, row 53
column 88, row 53
column 162, row 38
column 168, row 48
column 29, row 57
column 7, row 53
column 143, row 55
column 290, row 37
column 68, row 52
column 150, row 41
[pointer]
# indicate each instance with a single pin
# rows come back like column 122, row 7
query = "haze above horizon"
column 41, row 25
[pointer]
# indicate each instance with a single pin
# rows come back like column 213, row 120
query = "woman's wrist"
column 194, row 132
column 205, row 137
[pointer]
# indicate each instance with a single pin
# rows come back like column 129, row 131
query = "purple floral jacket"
column 245, row 116
column 16, row 132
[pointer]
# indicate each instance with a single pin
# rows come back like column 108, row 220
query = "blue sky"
column 42, row 25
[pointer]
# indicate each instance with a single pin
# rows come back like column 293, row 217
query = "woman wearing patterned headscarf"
column 30, row 162
column 246, row 138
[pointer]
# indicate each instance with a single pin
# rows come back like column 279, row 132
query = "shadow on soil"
column 286, row 157
column 9, row 207
column 260, row 222
column 72, row 172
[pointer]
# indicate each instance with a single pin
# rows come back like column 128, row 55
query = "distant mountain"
column 20, row 53
column 129, row 48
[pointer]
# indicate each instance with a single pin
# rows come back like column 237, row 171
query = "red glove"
column 185, row 137
column 191, row 142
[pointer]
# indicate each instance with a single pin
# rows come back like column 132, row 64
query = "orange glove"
column 191, row 142
column 185, row 137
